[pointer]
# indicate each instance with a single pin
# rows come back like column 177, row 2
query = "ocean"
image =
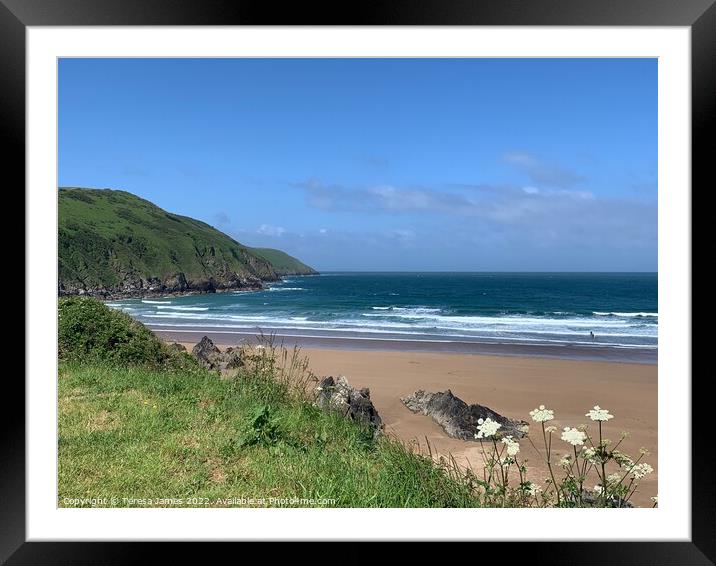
column 588, row 310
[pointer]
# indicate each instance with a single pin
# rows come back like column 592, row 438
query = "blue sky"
column 382, row 164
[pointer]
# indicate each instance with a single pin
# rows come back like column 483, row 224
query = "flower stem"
column 549, row 462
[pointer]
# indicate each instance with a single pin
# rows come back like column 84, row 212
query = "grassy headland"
column 113, row 243
column 282, row 263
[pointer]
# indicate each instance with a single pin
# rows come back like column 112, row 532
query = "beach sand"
column 511, row 386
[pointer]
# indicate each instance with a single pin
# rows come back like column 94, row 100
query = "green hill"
column 113, row 244
column 283, row 263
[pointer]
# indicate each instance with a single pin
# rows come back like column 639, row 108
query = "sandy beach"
column 510, row 385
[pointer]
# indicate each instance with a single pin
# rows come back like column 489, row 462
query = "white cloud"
column 268, row 230
column 542, row 172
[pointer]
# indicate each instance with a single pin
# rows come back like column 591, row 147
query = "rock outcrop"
column 336, row 394
column 214, row 359
column 133, row 286
column 457, row 418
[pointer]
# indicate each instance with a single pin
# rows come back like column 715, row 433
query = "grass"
column 141, row 434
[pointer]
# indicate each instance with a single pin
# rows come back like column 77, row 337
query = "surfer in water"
column 592, row 335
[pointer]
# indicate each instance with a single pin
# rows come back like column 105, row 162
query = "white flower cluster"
column 541, row 414
column 513, row 447
column 589, row 454
column 622, row 459
column 599, row 414
column 566, row 461
column 641, row 470
column 506, row 461
column 574, row 436
column 487, row 428
column 613, row 479
column 532, row 489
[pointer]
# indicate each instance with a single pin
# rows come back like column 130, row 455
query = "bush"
column 91, row 331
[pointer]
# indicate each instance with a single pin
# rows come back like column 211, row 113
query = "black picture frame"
column 16, row 15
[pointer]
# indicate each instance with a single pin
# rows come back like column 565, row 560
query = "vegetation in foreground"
column 142, row 424
column 139, row 428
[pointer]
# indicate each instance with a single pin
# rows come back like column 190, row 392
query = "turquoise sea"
column 620, row 309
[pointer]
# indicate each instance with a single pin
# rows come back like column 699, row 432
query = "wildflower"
column 622, row 459
column 588, row 453
column 641, row 470
column 566, row 461
column 486, row 428
column 643, row 451
column 551, row 429
column 532, row 489
column 598, row 414
column 613, row 478
column 598, row 489
column 506, row 461
column 573, row 436
column 513, row 447
column 541, row 415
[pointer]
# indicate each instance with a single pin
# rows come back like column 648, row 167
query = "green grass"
column 156, row 434
column 139, row 421
column 106, row 236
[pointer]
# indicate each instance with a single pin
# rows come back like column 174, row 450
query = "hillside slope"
column 115, row 244
column 282, row 263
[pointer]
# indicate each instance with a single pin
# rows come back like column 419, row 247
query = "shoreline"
column 291, row 337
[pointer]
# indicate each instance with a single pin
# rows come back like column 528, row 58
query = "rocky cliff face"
column 135, row 286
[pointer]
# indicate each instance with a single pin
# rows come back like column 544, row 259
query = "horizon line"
column 320, row 271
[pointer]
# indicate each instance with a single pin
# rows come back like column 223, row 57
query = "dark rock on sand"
column 232, row 359
column 214, row 359
column 457, row 418
column 337, row 394
column 207, row 353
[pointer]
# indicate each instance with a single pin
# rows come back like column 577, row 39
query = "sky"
column 382, row 164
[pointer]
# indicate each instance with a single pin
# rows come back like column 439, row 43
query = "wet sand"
column 363, row 341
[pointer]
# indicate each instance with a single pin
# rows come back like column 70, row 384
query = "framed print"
column 414, row 275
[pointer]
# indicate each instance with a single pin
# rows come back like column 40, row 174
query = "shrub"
column 91, row 331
